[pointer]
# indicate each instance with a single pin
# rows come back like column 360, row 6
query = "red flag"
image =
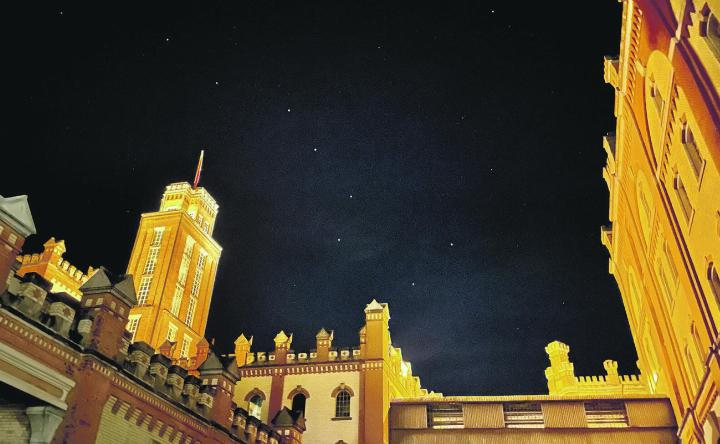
column 199, row 169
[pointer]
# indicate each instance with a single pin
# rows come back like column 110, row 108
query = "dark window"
column 606, row 414
column 445, row 416
column 298, row 403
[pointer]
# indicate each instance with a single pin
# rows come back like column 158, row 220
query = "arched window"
column 710, row 30
column 255, row 401
column 342, row 404
column 255, row 406
column 714, row 278
column 298, row 403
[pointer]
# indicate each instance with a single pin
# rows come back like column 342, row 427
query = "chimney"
column 16, row 224
column 242, row 349
column 220, row 375
column 323, row 342
column 107, row 299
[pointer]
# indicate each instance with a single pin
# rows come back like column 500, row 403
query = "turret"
column 290, row 425
column 377, row 333
column 219, row 377
column 611, row 368
column 323, row 342
column 107, row 298
column 282, row 345
column 16, row 224
column 242, row 349
column 561, row 372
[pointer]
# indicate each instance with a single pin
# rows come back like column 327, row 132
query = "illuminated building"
column 64, row 276
column 173, row 263
column 70, row 374
column 663, row 174
column 343, row 392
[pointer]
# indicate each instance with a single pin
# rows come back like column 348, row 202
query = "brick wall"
column 14, row 424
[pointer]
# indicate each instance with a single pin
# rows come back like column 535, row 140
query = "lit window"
column 192, row 305
column 255, row 406
column 185, row 347
column 171, row 333
column 132, row 326
column 144, row 289
column 682, row 196
column 176, row 300
column 342, row 404
column 197, row 279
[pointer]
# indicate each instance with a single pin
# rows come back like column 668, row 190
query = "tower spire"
column 199, row 169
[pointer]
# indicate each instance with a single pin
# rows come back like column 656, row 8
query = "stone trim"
column 298, row 391
column 253, row 392
column 340, row 388
column 36, row 369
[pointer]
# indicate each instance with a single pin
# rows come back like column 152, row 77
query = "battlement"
column 64, row 276
column 72, row 325
column 195, row 202
column 562, row 380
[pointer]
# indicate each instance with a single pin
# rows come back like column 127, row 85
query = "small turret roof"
column 121, row 285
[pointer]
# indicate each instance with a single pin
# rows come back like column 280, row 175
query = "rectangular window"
column 154, row 250
column 445, row 416
column 185, row 263
column 171, row 333
column 176, row 300
column 197, row 279
column 185, row 347
column 143, row 290
column 691, row 150
column 192, row 305
column 602, row 414
column 132, row 325
column 523, row 415
column 682, row 196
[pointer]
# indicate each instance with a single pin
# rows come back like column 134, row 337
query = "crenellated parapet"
column 50, row 264
column 90, row 337
column 562, row 380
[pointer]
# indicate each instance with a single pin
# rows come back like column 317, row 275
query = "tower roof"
column 15, row 211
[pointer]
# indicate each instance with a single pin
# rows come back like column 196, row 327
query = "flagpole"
column 199, row 169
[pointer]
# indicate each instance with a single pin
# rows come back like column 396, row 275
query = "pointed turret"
column 323, row 342
column 242, row 349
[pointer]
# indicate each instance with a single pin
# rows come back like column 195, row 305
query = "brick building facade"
column 70, row 373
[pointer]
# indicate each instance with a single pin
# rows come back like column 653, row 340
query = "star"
column 492, row 11
column 167, row 39
column 217, row 83
column 288, row 109
column 413, row 284
column 452, row 244
column 61, row 13
column 315, row 149
column 351, row 196
column 338, row 239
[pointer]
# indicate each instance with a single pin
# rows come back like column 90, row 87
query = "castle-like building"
column 663, row 174
column 344, row 393
column 95, row 356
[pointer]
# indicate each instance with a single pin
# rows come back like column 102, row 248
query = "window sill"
column 341, row 418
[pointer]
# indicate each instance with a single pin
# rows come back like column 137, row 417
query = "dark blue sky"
column 469, row 137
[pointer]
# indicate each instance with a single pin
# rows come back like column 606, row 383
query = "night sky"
column 445, row 159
